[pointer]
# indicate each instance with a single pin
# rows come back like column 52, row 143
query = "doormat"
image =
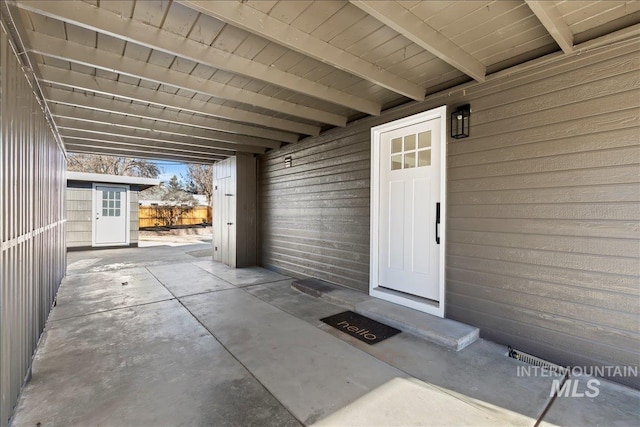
column 361, row 327
column 201, row 253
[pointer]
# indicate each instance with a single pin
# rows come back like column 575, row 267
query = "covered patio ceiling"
column 198, row 81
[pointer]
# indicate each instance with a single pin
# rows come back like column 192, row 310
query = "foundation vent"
column 536, row 361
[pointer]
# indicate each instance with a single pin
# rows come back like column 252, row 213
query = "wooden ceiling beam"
column 548, row 14
column 91, row 57
column 117, row 106
column 76, row 80
column 413, row 28
column 103, row 21
column 77, row 147
column 160, row 146
column 230, row 140
column 252, row 20
column 152, row 135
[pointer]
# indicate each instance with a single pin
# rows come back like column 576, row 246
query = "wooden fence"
column 155, row 216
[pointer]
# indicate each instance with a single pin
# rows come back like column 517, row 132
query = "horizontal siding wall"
column 134, row 217
column 32, row 262
column 543, row 208
column 315, row 215
column 79, row 216
column 543, row 244
column 79, row 232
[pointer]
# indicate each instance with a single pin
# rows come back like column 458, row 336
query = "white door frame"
column 127, row 213
column 417, row 303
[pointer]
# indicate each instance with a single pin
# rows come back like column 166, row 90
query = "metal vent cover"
column 536, row 361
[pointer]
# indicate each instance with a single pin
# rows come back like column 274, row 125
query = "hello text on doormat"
column 361, row 327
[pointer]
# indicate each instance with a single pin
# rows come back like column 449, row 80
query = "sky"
column 171, row 168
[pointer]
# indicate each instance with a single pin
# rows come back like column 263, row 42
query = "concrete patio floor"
column 162, row 335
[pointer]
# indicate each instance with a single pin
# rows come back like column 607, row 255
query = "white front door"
column 409, row 211
column 110, row 216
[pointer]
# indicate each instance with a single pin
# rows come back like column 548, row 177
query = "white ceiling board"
column 180, row 20
column 173, row 45
column 291, row 66
column 251, row 20
column 138, row 69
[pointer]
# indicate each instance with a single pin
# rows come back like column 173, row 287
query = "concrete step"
column 445, row 332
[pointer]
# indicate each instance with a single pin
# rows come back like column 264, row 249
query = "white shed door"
column 110, row 225
column 409, row 255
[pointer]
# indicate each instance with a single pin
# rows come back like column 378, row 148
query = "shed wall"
column 79, row 212
column 79, row 231
column 32, row 263
column 543, row 239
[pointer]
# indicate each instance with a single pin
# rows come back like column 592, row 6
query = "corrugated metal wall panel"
column 32, row 264
column 543, row 245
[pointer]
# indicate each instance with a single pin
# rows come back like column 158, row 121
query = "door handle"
column 438, row 223
column 229, row 223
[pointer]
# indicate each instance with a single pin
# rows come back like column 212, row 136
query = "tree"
column 111, row 165
column 176, row 200
column 174, row 190
column 200, row 180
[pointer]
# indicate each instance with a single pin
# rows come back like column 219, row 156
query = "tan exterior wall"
column 78, row 217
column 133, row 217
column 543, row 239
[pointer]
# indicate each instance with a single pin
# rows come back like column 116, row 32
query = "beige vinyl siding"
column 79, row 232
column 315, row 215
column 79, row 217
column 543, row 249
column 133, row 217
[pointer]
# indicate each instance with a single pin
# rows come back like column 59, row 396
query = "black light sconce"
column 460, row 122
column 287, row 161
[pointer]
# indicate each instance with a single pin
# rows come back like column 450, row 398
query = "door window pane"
column 409, row 142
column 396, row 162
column 424, row 158
column 410, row 160
column 396, row 145
column 424, row 139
